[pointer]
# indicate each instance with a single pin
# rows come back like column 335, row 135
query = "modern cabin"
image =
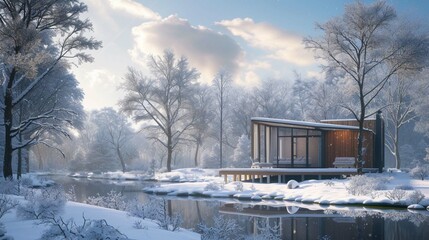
column 282, row 143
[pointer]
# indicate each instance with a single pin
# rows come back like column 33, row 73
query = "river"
column 286, row 219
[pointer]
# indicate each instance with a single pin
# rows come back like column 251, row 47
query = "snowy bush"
column 90, row 229
column 364, row 185
column 214, row 186
column 166, row 221
column 420, row 171
column 140, row 210
column 114, row 200
column 329, row 183
column 156, row 210
column 71, row 194
column 415, row 197
column 6, row 204
column 238, row 186
column 9, row 187
column 396, row 194
column 212, row 158
column 241, row 157
column 42, row 203
column 3, row 235
column 222, row 229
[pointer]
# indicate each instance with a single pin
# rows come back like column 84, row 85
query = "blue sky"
column 254, row 39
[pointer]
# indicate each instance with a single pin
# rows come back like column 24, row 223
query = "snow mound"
column 292, row 184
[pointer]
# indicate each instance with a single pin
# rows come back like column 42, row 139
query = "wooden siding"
column 343, row 143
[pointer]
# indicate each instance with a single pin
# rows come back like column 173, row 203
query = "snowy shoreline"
column 322, row 192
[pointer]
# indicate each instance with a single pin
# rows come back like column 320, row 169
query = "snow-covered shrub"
column 241, row 157
column 156, row 210
column 9, row 187
column 114, row 200
column 164, row 219
column 222, row 229
column 396, row 194
column 142, row 210
column 42, row 203
column 211, row 159
column 71, row 194
column 6, row 204
column 415, row 197
column 139, row 225
column 90, row 229
column 3, row 235
column 238, row 186
column 329, row 183
column 364, row 185
column 214, row 186
column 420, row 171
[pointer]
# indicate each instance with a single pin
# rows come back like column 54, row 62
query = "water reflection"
column 283, row 219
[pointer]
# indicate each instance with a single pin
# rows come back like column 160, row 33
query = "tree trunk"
column 360, row 161
column 8, row 122
column 19, row 170
column 397, row 156
column 169, row 152
column 196, row 153
column 220, row 138
column 121, row 159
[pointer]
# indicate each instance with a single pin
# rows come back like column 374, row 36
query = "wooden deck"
column 253, row 174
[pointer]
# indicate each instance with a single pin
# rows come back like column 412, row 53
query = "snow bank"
column 28, row 229
column 323, row 192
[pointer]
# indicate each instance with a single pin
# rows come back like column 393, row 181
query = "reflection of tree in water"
column 413, row 217
column 265, row 230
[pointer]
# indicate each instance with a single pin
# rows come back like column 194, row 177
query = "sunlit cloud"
column 279, row 44
column 206, row 50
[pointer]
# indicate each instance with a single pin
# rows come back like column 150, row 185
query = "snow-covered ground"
column 391, row 189
column 29, row 229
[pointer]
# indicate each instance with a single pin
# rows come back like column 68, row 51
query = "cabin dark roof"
column 302, row 124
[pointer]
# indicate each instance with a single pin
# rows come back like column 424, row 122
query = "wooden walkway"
column 257, row 174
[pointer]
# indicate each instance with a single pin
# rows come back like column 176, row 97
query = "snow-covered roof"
column 303, row 124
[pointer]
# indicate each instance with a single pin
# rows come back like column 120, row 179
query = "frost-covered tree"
column 163, row 100
column 243, row 109
column 365, row 47
column 271, row 98
column 105, row 143
column 301, row 92
column 222, row 83
column 203, row 108
column 30, row 30
column 403, row 95
column 48, row 113
column 114, row 133
column 241, row 158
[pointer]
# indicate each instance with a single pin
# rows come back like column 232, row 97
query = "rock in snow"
column 292, row 184
column 416, row 207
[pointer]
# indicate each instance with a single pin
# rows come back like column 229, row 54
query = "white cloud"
column 134, row 8
column 206, row 50
column 280, row 44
